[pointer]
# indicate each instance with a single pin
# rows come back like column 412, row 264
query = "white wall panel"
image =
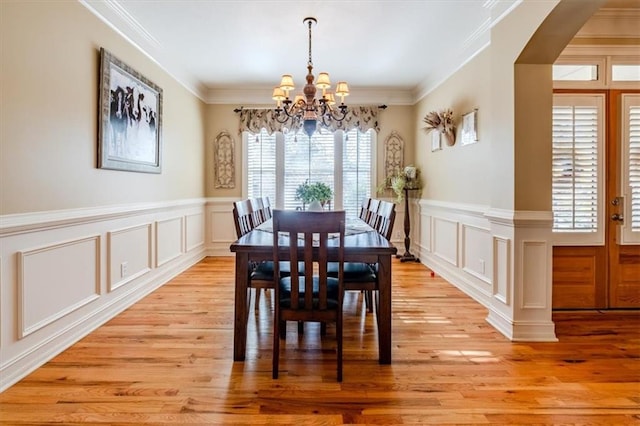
column 445, row 239
column 129, row 254
column 169, row 240
column 502, row 269
column 194, row 231
column 476, row 258
column 55, row 280
column 534, row 269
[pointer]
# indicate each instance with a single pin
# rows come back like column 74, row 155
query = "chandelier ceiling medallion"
column 305, row 107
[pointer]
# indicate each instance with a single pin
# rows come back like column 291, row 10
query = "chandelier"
column 305, row 107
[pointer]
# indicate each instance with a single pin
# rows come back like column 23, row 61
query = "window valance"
column 362, row 118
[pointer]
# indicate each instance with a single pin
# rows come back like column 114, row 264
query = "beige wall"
column 49, row 115
column 458, row 173
column 222, row 117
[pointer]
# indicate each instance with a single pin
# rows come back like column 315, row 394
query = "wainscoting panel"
column 475, row 257
column 129, row 254
column 169, row 240
column 64, row 273
column 194, row 224
column 445, row 239
column 534, row 268
column 502, row 268
column 55, row 280
column 222, row 230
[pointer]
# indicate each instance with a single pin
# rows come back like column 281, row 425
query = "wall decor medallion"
column 130, row 124
column 393, row 155
column 224, row 160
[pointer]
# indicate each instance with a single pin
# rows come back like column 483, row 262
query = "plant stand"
column 407, row 256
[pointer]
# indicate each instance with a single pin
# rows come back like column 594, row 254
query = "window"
column 277, row 164
column 575, row 72
column 631, row 168
column 577, row 181
column 621, row 72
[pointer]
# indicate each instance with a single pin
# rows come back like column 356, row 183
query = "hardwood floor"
column 168, row 360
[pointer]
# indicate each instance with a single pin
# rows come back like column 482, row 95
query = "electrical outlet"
column 398, row 234
column 482, row 266
column 123, row 269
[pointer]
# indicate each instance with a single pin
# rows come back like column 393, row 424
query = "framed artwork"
column 130, row 122
column 470, row 128
column 436, row 141
column 224, row 161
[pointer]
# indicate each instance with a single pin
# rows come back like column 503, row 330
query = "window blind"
column 261, row 166
column 306, row 159
column 630, row 170
column 577, row 164
column 356, row 170
column 633, row 172
column 277, row 164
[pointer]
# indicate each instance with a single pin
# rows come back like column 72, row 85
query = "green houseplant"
column 408, row 177
column 317, row 191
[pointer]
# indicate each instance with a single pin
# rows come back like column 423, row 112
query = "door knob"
column 617, row 217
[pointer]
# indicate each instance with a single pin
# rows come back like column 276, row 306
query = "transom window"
column 276, row 164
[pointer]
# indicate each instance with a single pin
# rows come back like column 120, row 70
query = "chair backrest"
column 266, row 205
column 386, row 218
column 364, row 208
column 312, row 295
column 257, row 213
column 374, row 205
column 242, row 217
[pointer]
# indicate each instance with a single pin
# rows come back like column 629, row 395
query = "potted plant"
column 408, row 177
column 317, row 191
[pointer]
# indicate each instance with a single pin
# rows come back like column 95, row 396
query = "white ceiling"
column 228, row 51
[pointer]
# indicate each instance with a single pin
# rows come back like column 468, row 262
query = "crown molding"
column 262, row 96
column 124, row 24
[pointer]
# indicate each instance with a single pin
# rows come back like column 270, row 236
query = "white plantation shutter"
column 277, row 164
column 578, row 179
column 356, row 170
column 630, row 173
column 261, row 166
column 306, row 160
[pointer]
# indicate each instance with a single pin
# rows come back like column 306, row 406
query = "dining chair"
column 312, row 296
column 374, row 204
column 385, row 218
column 363, row 277
column 257, row 214
column 261, row 273
column 266, row 205
column 364, row 208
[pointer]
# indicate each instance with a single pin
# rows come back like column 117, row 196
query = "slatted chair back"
column 266, row 205
column 312, row 296
column 258, row 211
column 242, row 217
column 374, row 205
column 364, row 208
column 386, row 218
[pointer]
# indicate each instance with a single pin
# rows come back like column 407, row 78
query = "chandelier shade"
column 305, row 107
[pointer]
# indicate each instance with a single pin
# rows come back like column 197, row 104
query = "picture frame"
column 130, row 121
column 469, row 128
column 436, row 140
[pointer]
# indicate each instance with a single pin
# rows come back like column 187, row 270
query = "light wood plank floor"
column 168, row 360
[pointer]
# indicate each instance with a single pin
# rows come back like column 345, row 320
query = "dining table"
column 361, row 244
